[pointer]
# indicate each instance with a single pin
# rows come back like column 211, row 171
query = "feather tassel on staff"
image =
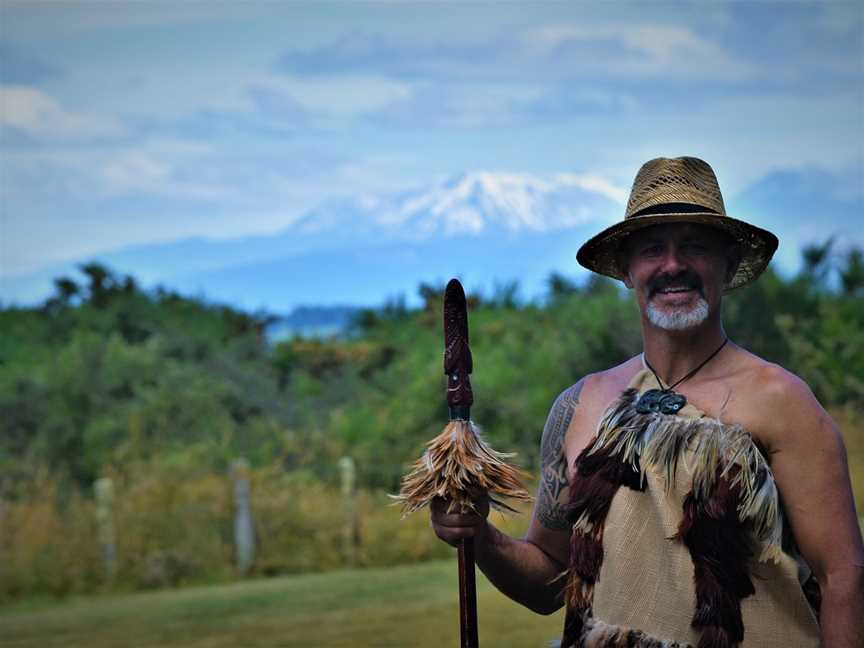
column 458, row 464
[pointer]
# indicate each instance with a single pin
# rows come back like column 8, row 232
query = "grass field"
column 407, row 606
column 410, row 606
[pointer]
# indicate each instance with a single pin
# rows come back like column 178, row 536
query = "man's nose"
column 671, row 262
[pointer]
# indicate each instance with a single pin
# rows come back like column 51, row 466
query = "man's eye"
column 695, row 248
column 652, row 250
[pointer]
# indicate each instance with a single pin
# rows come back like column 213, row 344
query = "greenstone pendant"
column 659, row 400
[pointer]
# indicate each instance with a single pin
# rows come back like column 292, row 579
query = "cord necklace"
column 665, row 400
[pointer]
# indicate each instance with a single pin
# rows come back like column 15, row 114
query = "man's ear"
column 622, row 260
column 733, row 260
column 625, row 276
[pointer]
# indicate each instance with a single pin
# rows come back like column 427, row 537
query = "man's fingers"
column 457, row 521
column 453, row 534
column 452, row 525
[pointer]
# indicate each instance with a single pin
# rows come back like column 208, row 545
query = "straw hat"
column 679, row 190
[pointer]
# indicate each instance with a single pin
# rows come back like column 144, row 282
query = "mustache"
column 685, row 279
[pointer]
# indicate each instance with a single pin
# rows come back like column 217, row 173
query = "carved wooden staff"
column 458, row 464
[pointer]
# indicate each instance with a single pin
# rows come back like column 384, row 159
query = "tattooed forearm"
column 552, row 497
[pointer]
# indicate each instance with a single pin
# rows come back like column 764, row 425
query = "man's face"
column 677, row 272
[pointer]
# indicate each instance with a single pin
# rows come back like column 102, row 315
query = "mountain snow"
column 473, row 204
column 481, row 224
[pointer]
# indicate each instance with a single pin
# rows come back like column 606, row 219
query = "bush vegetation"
column 161, row 393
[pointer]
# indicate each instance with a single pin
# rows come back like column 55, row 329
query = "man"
column 658, row 520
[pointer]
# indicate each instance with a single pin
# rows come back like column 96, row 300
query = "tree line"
column 105, row 373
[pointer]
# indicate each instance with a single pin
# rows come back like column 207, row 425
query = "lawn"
column 413, row 605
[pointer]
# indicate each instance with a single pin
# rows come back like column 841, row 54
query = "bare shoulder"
column 609, row 384
column 775, row 386
column 599, row 391
column 568, row 426
column 779, row 405
column 775, row 382
column 551, row 504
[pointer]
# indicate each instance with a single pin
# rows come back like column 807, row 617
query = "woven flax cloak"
column 678, row 539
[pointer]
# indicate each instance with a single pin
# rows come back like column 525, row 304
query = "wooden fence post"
column 348, row 478
column 244, row 529
column 103, row 491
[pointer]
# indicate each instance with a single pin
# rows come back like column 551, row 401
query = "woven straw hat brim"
column 600, row 253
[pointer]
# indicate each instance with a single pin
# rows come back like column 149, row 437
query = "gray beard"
column 680, row 319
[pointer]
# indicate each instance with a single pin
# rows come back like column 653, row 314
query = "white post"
column 103, row 490
column 348, row 477
column 244, row 529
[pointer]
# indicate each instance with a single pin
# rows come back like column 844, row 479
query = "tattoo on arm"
column 551, row 508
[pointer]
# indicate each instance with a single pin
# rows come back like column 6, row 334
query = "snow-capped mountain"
column 468, row 204
column 476, row 202
column 483, row 227
column 362, row 249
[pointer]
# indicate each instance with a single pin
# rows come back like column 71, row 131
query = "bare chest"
column 735, row 402
column 730, row 401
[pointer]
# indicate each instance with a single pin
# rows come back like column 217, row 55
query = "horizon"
column 136, row 127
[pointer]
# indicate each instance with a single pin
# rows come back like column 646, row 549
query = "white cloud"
column 36, row 114
column 151, row 168
column 133, row 170
column 459, row 105
column 337, row 95
column 594, row 183
column 640, row 50
column 140, row 172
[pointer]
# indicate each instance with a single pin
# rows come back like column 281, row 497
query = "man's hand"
column 454, row 526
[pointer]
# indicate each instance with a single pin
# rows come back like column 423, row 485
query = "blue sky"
column 130, row 123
